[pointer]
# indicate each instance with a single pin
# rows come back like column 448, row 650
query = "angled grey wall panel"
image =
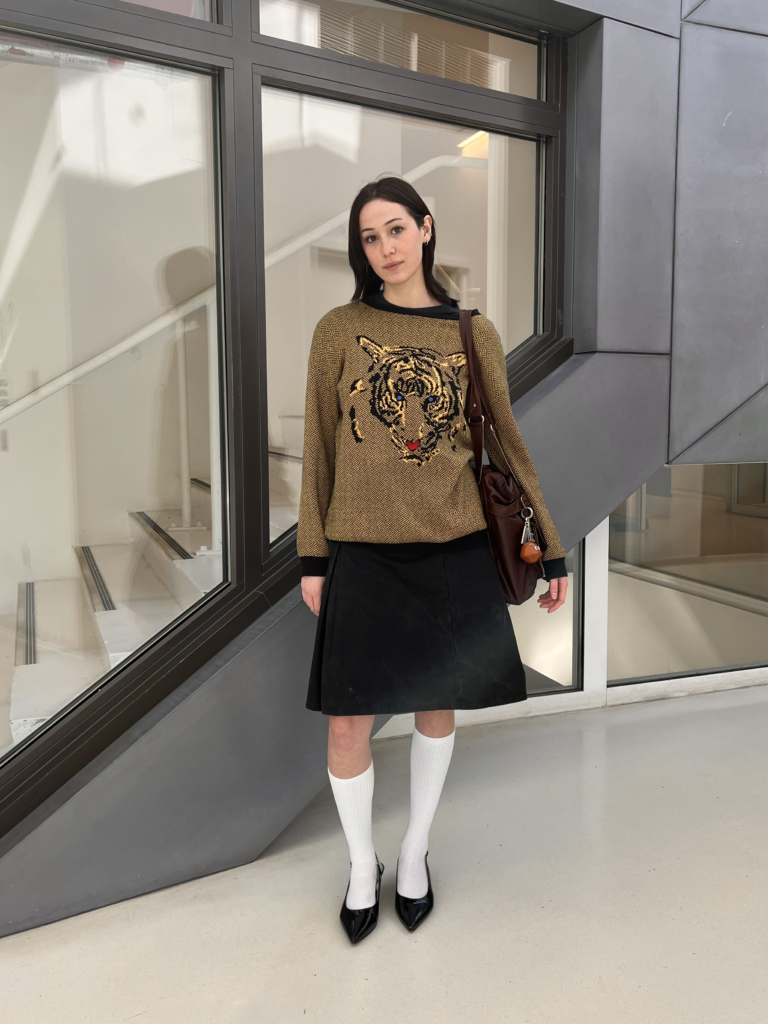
column 583, row 202
column 205, row 782
column 720, row 333
column 658, row 15
column 741, row 437
column 744, row 15
column 689, row 6
column 596, row 429
column 626, row 112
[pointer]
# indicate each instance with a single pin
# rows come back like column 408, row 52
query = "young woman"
column 395, row 553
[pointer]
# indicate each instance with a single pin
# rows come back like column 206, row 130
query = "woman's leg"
column 350, row 769
column 431, row 749
column 436, row 724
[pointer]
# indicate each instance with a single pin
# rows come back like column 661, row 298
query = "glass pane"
column 688, row 581
column 110, row 525
column 403, row 39
column 202, row 9
column 480, row 188
column 546, row 642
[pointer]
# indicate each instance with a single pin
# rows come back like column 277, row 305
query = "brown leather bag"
column 511, row 522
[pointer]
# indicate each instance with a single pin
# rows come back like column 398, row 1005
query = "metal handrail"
column 160, row 323
column 172, row 317
column 286, row 249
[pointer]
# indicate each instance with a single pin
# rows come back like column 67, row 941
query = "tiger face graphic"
column 415, row 393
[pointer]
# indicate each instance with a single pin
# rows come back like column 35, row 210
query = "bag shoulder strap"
column 477, row 400
column 475, row 407
column 478, row 410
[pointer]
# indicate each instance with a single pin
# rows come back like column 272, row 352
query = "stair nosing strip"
column 30, row 626
column 165, row 537
column 20, row 645
column 99, row 582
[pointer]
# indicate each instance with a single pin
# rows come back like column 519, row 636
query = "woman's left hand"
column 555, row 596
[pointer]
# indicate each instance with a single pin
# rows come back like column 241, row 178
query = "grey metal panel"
column 719, row 348
column 659, row 15
column 205, row 782
column 625, row 137
column 637, row 189
column 741, row 437
column 745, row 15
column 596, row 429
column 689, row 6
column 569, row 239
column 585, row 198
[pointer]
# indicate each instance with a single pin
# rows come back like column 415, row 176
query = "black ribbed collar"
column 442, row 312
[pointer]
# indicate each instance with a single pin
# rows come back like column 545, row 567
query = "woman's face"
column 392, row 240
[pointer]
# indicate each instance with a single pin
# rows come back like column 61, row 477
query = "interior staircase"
column 69, row 632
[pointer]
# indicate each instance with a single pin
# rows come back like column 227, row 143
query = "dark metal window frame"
column 240, row 60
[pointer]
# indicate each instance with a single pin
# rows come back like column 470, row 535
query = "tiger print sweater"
column 387, row 450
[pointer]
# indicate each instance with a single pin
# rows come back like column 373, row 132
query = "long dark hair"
column 395, row 190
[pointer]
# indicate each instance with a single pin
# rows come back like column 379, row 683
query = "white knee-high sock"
column 430, row 757
column 354, row 802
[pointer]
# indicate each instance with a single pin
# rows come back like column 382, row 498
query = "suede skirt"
column 413, row 627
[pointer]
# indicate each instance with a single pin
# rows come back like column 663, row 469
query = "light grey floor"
column 599, row 867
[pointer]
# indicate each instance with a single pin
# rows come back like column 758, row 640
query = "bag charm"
column 529, row 548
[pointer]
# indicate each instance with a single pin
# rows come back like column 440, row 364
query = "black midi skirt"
column 413, row 627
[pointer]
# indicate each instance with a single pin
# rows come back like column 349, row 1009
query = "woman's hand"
column 553, row 598
column 311, row 589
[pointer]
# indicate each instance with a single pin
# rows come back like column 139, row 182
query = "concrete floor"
column 597, row 867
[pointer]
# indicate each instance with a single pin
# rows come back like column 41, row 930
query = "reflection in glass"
column 405, row 39
column 481, row 189
column 688, row 581
column 546, row 642
column 202, row 9
column 110, row 523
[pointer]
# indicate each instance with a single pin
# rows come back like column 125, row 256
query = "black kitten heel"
column 412, row 912
column 359, row 923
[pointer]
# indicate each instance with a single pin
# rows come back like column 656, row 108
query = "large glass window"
column 688, row 581
column 481, row 188
column 110, row 519
column 406, row 39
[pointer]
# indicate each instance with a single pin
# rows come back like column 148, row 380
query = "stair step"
column 62, row 655
column 134, row 602
column 169, row 550
column 191, row 538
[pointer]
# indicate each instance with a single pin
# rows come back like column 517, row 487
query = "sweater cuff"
column 554, row 569
column 313, row 565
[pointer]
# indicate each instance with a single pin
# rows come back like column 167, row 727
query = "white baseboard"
column 660, row 689
column 557, row 703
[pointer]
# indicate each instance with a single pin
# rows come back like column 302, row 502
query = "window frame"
column 221, row 9
column 240, row 61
